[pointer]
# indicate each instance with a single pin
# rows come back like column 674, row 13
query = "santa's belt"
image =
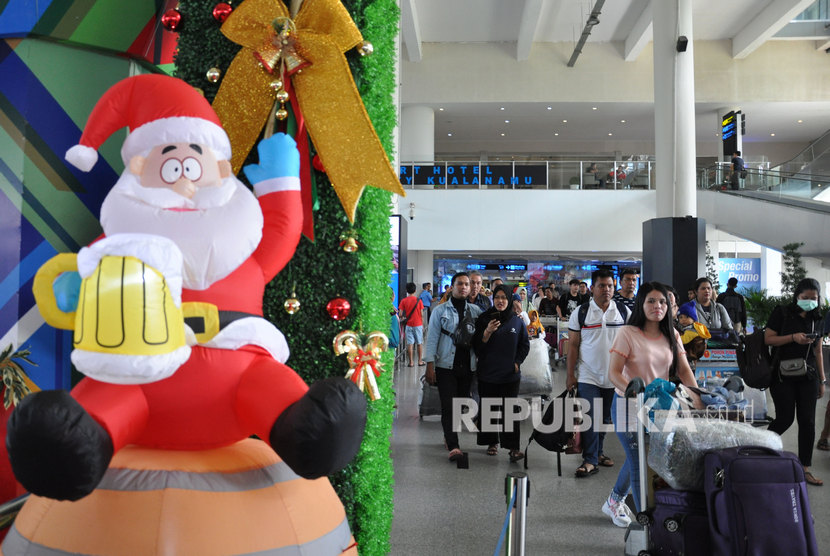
column 206, row 320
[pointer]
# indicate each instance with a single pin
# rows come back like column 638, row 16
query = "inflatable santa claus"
column 168, row 326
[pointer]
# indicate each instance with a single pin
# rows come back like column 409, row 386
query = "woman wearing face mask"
column 798, row 381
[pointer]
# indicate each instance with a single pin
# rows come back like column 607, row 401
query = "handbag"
column 792, row 367
column 795, row 367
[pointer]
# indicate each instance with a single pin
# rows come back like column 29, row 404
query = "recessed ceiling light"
column 502, row 134
column 449, row 134
column 800, row 121
column 564, row 121
column 502, row 108
column 556, row 134
column 550, row 107
column 507, row 121
column 593, row 108
column 622, row 121
column 440, row 109
column 610, row 134
column 772, row 135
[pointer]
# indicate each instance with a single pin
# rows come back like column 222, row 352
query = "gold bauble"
column 276, row 84
column 213, row 74
column 292, row 304
column 282, row 95
column 366, row 48
column 281, row 114
column 350, row 245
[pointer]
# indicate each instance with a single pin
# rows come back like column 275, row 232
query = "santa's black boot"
column 56, row 448
column 321, row 432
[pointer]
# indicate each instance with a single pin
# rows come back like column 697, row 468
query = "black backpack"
column 754, row 360
column 557, row 440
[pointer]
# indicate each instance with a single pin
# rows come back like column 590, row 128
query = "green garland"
column 321, row 270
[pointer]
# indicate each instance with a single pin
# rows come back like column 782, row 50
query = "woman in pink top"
column 648, row 347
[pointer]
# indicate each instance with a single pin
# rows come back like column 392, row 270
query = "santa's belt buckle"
column 202, row 318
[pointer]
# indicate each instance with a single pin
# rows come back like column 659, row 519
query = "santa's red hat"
column 158, row 109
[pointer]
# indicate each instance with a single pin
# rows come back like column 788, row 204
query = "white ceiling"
column 748, row 23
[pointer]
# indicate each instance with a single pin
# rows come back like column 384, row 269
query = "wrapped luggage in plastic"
column 536, row 377
column 677, row 445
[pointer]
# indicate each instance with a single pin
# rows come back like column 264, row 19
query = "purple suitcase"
column 679, row 524
column 757, row 502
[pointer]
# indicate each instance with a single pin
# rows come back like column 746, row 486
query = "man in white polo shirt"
column 591, row 331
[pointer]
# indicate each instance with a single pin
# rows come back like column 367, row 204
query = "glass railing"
column 528, row 174
column 796, row 185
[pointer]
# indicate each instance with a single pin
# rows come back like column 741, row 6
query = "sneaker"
column 617, row 512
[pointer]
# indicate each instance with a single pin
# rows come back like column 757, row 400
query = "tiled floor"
column 442, row 510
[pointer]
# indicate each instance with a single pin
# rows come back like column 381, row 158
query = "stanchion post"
column 515, row 541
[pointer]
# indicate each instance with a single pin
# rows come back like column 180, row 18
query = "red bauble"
column 171, row 19
column 221, row 11
column 338, row 308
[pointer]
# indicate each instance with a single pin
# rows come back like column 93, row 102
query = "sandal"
column 516, row 455
column 812, row 480
column 455, row 454
column 492, row 450
column 605, row 461
column 823, row 444
column 583, row 471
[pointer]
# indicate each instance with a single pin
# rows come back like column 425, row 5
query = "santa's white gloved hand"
column 278, row 158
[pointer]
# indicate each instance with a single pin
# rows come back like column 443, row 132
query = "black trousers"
column 796, row 398
column 508, row 439
column 451, row 384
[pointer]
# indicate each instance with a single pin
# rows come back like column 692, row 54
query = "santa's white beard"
column 217, row 230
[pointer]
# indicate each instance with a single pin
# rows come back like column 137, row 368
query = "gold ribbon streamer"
column 363, row 360
column 337, row 121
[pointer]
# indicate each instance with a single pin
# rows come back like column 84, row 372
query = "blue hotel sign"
column 474, row 174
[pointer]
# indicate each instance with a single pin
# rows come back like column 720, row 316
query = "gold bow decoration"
column 310, row 49
column 364, row 366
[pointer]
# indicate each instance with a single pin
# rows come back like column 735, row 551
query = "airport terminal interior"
column 506, row 109
column 536, row 141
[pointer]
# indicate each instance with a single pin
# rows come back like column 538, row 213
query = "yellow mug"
column 125, row 307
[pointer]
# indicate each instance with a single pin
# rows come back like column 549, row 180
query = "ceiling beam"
column 767, row 23
column 640, row 35
column 411, row 30
column 527, row 28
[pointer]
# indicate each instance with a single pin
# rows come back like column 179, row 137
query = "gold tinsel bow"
column 337, row 121
column 363, row 360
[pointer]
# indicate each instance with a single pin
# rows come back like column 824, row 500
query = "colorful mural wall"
column 56, row 59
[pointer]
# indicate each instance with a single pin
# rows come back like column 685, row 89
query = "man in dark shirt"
column 569, row 302
column 734, row 304
column 547, row 307
column 628, row 288
column 476, row 297
column 737, row 167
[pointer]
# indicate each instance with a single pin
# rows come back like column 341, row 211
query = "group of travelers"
column 614, row 335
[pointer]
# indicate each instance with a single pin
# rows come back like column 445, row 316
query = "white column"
column 417, row 134
column 422, row 264
column 674, row 110
column 771, row 271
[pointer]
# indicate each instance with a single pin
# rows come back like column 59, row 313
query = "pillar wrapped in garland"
column 322, row 270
